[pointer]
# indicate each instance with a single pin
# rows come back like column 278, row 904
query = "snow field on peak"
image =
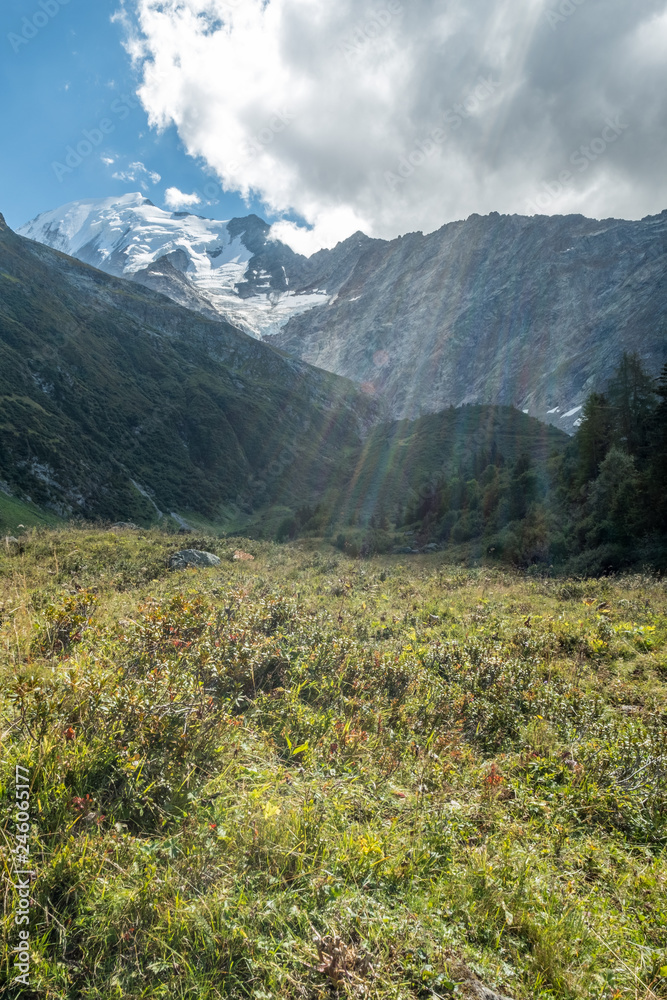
column 125, row 235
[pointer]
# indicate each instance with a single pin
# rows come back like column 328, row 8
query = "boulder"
column 124, row 525
column 194, row 558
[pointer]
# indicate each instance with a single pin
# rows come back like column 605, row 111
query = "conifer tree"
column 631, row 398
column 594, row 436
column 658, row 460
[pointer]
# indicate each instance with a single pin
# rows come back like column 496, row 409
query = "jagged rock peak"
column 3, row 224
column 253, row 230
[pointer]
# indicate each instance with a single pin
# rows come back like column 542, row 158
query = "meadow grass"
column 305, row 775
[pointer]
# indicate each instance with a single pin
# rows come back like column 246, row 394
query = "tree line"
column 600, row 504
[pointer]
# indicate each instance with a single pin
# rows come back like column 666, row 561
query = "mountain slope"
column 115, row 402
column 400, row 458
column 531, row 312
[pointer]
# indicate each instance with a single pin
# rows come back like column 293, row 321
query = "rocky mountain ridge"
column 510, row 310
column 530, row 312
column 201, row 263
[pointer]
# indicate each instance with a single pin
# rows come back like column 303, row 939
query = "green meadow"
column 303, row 775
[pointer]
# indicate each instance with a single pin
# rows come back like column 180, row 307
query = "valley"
column 333, row 500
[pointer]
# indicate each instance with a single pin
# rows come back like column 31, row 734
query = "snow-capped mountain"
column 125, row 407
column 199, row 262
column 532, row 312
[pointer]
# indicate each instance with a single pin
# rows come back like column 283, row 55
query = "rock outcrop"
column 530, row 312
column 192, row 558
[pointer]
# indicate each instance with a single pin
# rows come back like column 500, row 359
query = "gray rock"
column 192, row 557
column 533, row 312
column 165, row 275
column 125, row 525
column 484, row 993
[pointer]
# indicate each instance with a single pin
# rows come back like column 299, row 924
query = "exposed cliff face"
column 533, row 312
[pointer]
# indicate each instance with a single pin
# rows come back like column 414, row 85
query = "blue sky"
column 69, row 77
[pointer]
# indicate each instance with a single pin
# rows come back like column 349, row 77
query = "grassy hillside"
column 16, row 515
column 116, row 403
column 299, row 775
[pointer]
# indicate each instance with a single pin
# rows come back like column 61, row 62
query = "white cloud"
column 137, row 173
column 108, row 160
column 334, row 225
column 404, row 114
column 175, row 199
